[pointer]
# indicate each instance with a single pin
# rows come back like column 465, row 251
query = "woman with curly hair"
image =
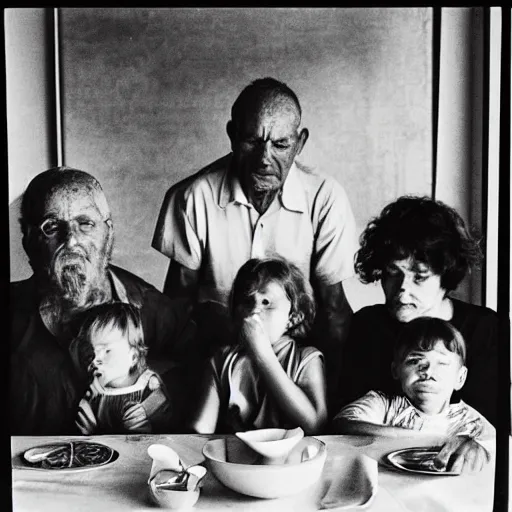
column 420, row 250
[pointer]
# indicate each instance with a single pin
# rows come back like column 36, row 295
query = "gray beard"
column 59, row 307
column 73, row 282
column 77, row 291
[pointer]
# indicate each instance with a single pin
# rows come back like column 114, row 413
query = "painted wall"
column 460, row 133
column 28, row 97
column 147, row 94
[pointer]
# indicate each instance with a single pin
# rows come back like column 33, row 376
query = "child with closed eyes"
column 124, row 395
column 429, row 364
column 265, row 378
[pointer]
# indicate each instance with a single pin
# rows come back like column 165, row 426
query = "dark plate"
column 70, row 456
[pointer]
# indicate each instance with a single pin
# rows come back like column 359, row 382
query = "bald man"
column 68, row 235
column 258, row 201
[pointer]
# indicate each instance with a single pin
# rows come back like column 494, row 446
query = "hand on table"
column 462, row 454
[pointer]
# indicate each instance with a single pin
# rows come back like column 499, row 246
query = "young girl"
column 266, row 379
column 124, row 395
column 429, row 363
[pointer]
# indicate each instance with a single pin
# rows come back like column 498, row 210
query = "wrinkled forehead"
column 276, row 110
column 73, row 199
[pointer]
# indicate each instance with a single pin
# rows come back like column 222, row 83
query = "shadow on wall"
column 19, row 265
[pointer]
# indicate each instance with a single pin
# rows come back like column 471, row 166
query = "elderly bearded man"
column 258, row 202
column 68, row 236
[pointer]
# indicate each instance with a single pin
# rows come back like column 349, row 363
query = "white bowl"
column 302, row 469
column 272, row 442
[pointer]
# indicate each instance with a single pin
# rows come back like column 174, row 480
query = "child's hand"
column 254, row 336
column 135, row 419
column 86, row 421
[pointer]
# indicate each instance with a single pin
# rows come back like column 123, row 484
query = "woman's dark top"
column 368, row 353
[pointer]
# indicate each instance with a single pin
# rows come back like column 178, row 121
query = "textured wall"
column 28, row 113
column 147, row 94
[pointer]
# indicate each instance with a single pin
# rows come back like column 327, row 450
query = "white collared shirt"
column 206, row 222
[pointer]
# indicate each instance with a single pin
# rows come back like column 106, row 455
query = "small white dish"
column 171, row 484
column 171, row 498
column 272, row 443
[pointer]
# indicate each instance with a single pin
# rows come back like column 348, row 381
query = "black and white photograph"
column 291, row 225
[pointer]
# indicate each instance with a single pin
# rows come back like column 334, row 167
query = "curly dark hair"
column 422, row 228
column 256, row 273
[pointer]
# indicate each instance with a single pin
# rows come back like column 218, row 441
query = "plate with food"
column 69, row 456
column 417, row 460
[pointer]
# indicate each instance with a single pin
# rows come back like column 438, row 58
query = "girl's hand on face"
column 254, row 337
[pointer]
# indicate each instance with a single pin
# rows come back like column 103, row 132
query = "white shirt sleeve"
column 371, row 407
column 474, row 424
column 335, row 235
column 175, row 233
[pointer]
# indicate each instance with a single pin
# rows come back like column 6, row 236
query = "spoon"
column 187, row 480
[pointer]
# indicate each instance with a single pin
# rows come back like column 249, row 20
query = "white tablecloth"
column 122, row 485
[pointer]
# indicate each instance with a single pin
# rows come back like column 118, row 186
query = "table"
column 122, row 485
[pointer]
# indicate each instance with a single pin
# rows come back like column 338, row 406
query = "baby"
column 265, row 378
column 124, row 395
column 429, row 363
